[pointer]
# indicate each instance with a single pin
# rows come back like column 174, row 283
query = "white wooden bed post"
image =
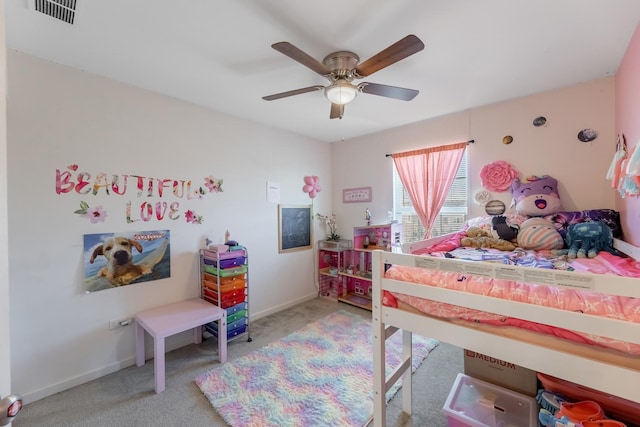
column 380, row 334
column 379, row 403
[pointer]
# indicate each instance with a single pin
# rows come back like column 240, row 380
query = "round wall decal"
column 587, row 135
column 494, row 207
column 507, row 140
column 481, row 197
column 540, row 121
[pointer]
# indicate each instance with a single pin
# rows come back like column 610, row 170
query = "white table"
column 171, row 319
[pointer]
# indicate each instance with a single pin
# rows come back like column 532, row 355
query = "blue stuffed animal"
column 586, row 239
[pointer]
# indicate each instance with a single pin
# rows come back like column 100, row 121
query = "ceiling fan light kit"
column 341, row 68
column 341, row 92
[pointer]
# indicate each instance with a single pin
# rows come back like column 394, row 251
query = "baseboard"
column 172, row 343
column 259, row 315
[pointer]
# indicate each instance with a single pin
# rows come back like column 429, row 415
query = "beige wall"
column 554, row 149
column 57, row 117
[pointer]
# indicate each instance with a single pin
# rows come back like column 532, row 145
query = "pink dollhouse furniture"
column 171, row 319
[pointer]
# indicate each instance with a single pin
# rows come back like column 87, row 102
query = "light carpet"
column 321, row 375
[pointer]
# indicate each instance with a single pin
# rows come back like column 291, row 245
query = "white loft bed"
column 572, row 362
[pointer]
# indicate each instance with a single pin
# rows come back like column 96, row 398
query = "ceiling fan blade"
column 297, row 55
column 292, row 92
column 388, row 91
column 394, row 53
column 337, row 111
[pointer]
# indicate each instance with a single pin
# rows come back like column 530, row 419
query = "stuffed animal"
column 586, row 239
column 539, row 234
column 538, row 196
column 478, row 238
column 502, row 229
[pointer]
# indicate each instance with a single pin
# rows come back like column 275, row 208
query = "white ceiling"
column 218, row 53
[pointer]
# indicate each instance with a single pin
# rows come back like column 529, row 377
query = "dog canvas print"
column 119, row 259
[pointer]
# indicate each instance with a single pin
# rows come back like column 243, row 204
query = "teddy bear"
column 477, row 238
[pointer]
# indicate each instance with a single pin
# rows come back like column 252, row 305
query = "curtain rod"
column 471, row 141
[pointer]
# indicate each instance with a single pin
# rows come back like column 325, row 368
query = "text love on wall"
column 144, row 198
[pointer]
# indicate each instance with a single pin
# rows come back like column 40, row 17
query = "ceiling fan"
column 342, row 67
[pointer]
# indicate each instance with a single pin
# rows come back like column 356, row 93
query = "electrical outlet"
column 115, row 324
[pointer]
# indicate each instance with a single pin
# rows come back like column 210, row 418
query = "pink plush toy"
column 537, row 196
column 539, row 234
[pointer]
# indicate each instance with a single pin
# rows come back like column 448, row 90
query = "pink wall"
column 628, row 123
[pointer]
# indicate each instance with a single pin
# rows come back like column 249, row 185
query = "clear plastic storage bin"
column 476, row 403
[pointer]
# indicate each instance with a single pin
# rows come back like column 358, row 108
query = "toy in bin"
column 476, row 403
column 565, row 403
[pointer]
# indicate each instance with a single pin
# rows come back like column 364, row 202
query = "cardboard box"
column 476, row 403
column 500, row 372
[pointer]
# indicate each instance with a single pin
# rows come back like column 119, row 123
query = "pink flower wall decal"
column 312, row 186
column 96, row 214
column 213, row 184
column 497, row 176
column 192, row 217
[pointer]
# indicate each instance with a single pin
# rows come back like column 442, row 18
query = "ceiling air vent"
column 64, row 10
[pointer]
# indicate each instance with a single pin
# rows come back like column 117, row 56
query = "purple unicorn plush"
column 538, row 196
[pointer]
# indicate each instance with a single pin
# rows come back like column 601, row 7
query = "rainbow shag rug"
column 321, row 375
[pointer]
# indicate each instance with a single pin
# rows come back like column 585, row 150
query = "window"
column 452, row 215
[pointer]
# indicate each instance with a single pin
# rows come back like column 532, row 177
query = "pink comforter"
column 616, row 307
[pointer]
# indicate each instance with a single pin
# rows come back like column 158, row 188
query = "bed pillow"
column 609, row 217
column 562, row 220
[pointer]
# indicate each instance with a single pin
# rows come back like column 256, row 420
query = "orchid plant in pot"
column 331, row 222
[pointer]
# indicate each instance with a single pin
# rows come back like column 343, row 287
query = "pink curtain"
column 428, row 174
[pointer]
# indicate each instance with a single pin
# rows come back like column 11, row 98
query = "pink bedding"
column 622, row 308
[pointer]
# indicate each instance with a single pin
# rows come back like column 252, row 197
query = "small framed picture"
column 356, row 195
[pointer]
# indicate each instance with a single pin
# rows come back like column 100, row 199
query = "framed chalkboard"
column 294, row 228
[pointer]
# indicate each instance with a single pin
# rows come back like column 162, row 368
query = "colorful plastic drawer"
column 210, row 281
column 237, row 315
column 224, row 295
column 224, row 254
column 225, row 302
column 233, row 279
column 238, row 280
column 236, row 332
column 236, row 308
column 225, row 272
column 231, row 325
column 234, row 285
column 226, row 263
column 240, row 286
column 230, row 334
